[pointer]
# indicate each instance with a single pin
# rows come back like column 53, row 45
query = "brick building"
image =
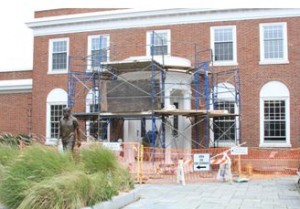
column 16, row 101
column 262, row 44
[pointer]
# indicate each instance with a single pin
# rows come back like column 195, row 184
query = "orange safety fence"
column 159, row 165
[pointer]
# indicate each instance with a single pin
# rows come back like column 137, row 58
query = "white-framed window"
column 56, row 112
column 158, row 42
column 56, row 101
column 273, row 43
column 225, row 128
column 223, row 44
column 274, row 115
column 58, row 55
column 98, row 50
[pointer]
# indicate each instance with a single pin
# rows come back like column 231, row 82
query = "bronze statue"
column 69, row 130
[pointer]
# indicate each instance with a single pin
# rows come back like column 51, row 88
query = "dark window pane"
column 224, row 51
column 59, row 61
column 224, row 127
column 274, row 120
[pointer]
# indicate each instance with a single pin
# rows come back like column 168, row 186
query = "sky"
column 16, row 39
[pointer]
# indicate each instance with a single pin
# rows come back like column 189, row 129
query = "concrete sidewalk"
column 279, row 193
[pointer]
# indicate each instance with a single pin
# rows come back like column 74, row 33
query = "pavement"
column 277, row 193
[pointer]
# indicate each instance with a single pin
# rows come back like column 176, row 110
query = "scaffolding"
column 123, row 88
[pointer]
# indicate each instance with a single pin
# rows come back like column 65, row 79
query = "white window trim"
column 283, row 60
column 88, row 102
column 49, row 139
column 89, row 64
column 212, row 44
column 148, row 41
column 57, row 96
column 287, row 143
column 57, row 71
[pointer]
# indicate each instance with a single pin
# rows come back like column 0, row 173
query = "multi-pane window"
column 224, row 127
column 56, row 113
column 224, row 43
column 59, row 54
column 98, row 50
column 274, row 120
column 274, row 115
column 273, row 42
column 158, row 42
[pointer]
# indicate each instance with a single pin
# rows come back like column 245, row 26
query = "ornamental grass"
column 40, row 177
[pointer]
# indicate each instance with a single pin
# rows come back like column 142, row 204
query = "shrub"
column 12, row 140
column 102, row 188
column 8, row 154
column 98, row 158
column 68, row 191
column 35, row 164
column 9, row 139
column 122, row 179
column 2, row 170
column 42, row 178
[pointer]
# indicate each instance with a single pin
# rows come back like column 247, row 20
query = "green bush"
column 12, row 140
column 35, row 164
column 68, row 191
column 102, row 188
column 8, row 154
column 122, row 179
column 2, row 172
column 40, row 177
column 98, row 158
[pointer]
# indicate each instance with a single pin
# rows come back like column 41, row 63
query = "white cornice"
column 133, row 18
column 16, row 86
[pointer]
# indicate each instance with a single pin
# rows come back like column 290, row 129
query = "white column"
column 167, row 128
column 126, row 125
column 186, row 121
column 167, row 98
column 187, row 100
column 108, row 132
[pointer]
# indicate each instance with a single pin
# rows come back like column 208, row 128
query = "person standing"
column 69, row 130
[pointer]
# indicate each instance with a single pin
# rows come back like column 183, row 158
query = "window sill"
column 219, row 63
column 224, row 144
column 58, row 72
column 274, row 62
column 274, row 144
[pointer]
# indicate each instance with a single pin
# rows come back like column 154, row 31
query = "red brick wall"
column 15, row 113
column 252, row 75
column 16, row 75
column 69, row 11
column 15, row 108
